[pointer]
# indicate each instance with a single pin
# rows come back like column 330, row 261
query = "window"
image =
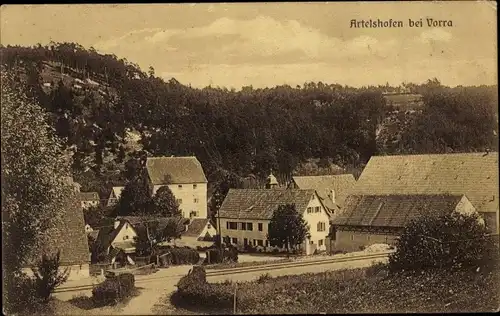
column 260, row 242
column 179, row 201
column 321, row 227
column 242, row 226
column 320, row 242
column 196, row 200
column 209, row 226
column 250, row 226
column 193, row 214
column 195, row 186
column 267, row 243
column 255, row 242
column 180, row 186
column 309, row 210
column 234, row 240
column 317, row 209
column 125, row 237
column 260, row 227
column 232, row 225
column 311, row 242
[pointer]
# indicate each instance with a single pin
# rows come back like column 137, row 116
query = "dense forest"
column 96, row 100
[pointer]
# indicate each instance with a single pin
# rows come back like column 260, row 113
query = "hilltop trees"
column 34, row 188
column 287, row 228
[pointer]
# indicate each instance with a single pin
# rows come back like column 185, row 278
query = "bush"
column 47, row 276
column 194, row 290
column 113, row 290
column 264, row 277
column 20, row 293
column 215, row 256
column 184, row 256
column 449, row 241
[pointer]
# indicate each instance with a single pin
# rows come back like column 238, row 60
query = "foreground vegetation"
column 372, row 290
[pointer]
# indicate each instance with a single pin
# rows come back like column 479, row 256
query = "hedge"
column 184, row 256
column 215, row 255
column 113, row 290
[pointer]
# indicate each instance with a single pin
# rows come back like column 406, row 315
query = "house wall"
column 242, row 234
column 465, row 206
column 89, row 204
column 127, row 233
column 187, row 194
column 113, row 197
column 351, row 241
column 210, row 229
column 312, row 219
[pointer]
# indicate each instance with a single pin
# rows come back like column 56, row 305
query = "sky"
column 269, row 44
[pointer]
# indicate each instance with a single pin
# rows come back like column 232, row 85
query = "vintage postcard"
column 250, row 158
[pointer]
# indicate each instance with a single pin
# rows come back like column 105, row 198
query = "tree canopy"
column 287, row 228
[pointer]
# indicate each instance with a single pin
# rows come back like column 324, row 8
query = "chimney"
column 332, row 195
column 117, row 223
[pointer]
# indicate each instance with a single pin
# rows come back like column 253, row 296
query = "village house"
column 185, row 178
column 411, row 179
column 331, row 189
column 69, row 237
column 245, row 214
column 122, row 235
column 114, row 196
column 380, row 219
column 89, row 199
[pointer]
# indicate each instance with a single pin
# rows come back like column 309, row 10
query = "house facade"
column 380, row 219
column 114, row 196
column 332, row 189
column 89, row 199
column 185, row 178
column 245, row 215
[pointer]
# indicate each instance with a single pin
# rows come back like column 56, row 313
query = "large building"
column 245, row 214
column 185, row 178
column 380, row 219
column 473, row 175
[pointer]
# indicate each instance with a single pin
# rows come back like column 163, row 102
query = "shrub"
column 47, row 275
column 20, row 293
column 216, row 256
column 194, row 290
column 449, row 241
column 184, row 256
column 113, row 290
column 264, row 277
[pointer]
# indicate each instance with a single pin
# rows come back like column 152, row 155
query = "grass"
column 230, row 265
column 368, row 290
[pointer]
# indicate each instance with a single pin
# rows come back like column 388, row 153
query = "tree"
column 165, row 203
column 449, row 241
column 48, row 276
column 136, row 197
column 153, row 232
column 287, row 228
column 35, row 190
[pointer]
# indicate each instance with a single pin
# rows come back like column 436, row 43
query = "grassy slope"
column 362, row 291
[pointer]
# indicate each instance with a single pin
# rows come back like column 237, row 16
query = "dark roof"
column 94, row 234
column 393, row 210
column 341, row 184
column 195, row 228
column 472, row 174
column 69, row 236
column 89, row 196
column 175, row 170
column 106, row 235
column 261, row 203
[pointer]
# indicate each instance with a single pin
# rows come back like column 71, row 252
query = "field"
column 371, row 290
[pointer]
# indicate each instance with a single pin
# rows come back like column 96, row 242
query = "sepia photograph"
column 250, row 158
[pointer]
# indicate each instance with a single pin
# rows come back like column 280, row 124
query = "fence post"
column 234, row 301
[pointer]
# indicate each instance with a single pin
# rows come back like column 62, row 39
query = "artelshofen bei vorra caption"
column 390, row 23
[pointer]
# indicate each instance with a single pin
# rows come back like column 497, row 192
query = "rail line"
column 232, row 271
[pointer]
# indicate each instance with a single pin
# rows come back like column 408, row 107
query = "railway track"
column 232, row 271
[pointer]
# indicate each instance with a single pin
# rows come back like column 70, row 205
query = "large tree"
column 165, row 203
column 35, row 172
column 136, row 197
column 287, row 228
